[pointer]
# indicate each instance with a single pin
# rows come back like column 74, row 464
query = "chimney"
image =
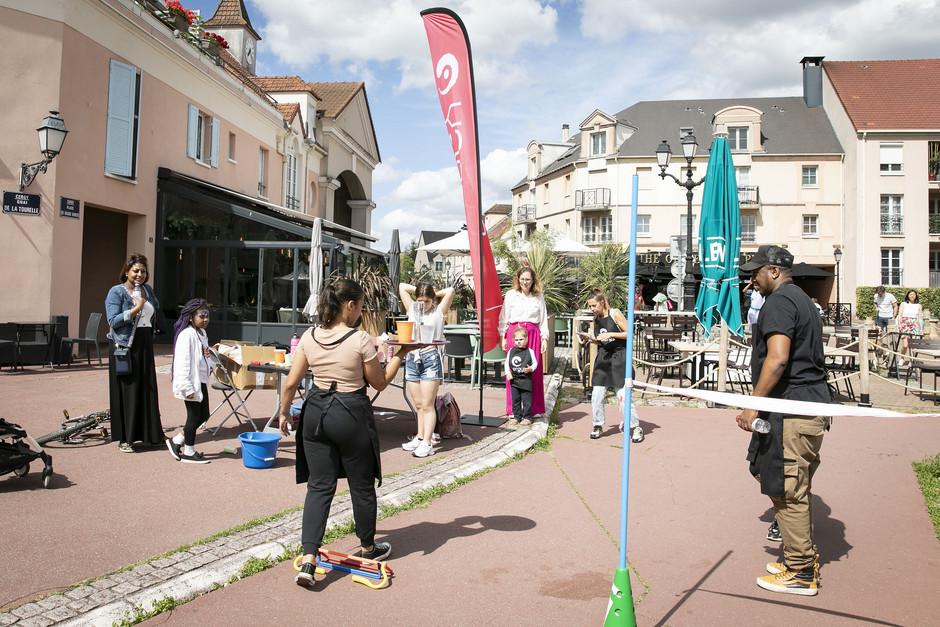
column 564, row 132
column 812, row 81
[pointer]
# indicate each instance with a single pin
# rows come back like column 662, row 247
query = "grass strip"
column 928, row 476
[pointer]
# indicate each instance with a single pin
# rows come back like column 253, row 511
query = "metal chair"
column 562, row 330
column 90, row 339
column 495, row 356
column 460, row 348
column 662, row 355
column 223, row 383
column 925, row 364
column 8, row 339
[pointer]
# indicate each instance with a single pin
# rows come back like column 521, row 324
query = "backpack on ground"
column 448, row 416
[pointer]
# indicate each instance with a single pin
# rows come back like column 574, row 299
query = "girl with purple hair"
column 190, row 371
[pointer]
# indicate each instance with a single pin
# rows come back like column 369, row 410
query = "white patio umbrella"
column 316, row 268
column 457, row 244
column 561, row 245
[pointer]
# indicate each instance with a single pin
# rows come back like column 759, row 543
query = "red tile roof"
column 888, row 95
column 289, row 110
column 282, row 83
column 230, row 13
column 335, row 96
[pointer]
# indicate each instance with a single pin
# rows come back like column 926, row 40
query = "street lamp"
column 52, row 134
column 837, row 254
column 663, row 155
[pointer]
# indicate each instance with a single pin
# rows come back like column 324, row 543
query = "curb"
column 201, row 568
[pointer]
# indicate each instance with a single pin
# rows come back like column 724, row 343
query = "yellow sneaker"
column 804, row 582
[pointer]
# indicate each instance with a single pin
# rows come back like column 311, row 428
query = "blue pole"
column 620, row 608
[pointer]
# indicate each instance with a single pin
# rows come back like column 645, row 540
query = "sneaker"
column 195, row 458
column 597, row 432
column 804, row 582
column 305, row 576
column 125, row 448
column 435, row 439
column 424, row 449
column 774, row 532
column 411, row 444
column 174, row 448
column 379, row 552
column 637, row 435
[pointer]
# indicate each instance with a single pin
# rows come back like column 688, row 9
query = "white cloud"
column 389, row 172
column 352, row 33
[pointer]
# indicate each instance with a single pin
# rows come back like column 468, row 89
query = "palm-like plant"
column 606, row 270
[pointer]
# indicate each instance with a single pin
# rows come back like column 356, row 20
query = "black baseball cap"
column 769, row 255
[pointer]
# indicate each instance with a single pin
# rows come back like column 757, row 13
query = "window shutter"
column 119, row 142
column 892, row 153
column 191, row 130
column 214, row 159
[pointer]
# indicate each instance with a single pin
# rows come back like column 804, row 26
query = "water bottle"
column 760, row 425
column 136, row 292
column 294, row 341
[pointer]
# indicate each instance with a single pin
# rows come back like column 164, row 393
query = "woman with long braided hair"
column 190, row 371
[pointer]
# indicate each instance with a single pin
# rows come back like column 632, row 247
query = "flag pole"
column 620, row 607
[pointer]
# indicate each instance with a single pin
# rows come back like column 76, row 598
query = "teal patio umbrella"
column 719, row 243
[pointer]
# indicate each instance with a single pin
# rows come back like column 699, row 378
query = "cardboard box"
column 241, row 377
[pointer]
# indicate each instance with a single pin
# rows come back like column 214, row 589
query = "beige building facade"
column 178, row 153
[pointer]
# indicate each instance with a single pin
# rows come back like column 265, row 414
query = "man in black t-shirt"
column 787, row 362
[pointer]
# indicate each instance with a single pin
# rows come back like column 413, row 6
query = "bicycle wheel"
column 78, row 425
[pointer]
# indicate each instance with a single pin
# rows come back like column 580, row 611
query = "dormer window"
column 685, row 130
column 598, row 144
column 737, row 137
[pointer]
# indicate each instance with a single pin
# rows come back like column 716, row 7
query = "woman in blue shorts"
column 423, row 370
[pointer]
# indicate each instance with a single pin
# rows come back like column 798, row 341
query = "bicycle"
column 73, row 427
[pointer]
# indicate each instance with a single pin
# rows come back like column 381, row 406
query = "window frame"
column 599, row 137
column 888, row 153
column 589, row 230
column 749, row 236
column 812, row 180
column 645, row 231
column 605, row 229
column 739, row 135
column 893, row 256
column 810, row 227
column 891, row 209
column 202, row 133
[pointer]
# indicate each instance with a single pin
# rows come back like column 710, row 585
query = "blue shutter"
column 191, row 130
column 122, row 104
column 214, row 159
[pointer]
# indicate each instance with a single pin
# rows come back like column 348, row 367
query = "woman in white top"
column 524, row 306
column 423, row 370
column 135, row 403
column 190, row 373
column 910, row 321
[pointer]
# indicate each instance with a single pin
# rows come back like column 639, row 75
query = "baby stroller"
column 18, row 449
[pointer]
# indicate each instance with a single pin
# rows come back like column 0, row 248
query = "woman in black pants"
column 336, row 435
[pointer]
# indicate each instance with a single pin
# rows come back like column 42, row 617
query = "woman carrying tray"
column 423, row 370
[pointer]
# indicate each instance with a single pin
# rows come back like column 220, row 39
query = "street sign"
column 70, row 207
column 672, row 290
column 23, row 204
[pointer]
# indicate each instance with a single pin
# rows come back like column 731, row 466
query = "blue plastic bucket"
column 259, row 449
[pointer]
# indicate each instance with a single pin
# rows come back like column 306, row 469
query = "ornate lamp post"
column 837, row 254
column 52, row 134
column 663, row 155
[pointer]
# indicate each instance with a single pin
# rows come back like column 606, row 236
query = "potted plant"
column 213, row 44
column 179, row 17
column 377, row 287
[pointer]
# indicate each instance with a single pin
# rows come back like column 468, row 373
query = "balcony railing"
column 892, row 225
column 525, row 213
column 934, row 279
column 748, row 196
column 748, row 238
column 934, row 223
column 596, row 198
column 292, row 203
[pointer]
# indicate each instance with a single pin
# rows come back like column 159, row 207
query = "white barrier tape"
column 627, row 383
column 780, row 405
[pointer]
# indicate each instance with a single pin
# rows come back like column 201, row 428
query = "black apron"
column 611, row 361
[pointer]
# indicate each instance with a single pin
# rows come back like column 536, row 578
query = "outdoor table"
column 699, row 362
column 47, row 329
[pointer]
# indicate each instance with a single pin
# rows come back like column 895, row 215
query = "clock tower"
column 231, row 22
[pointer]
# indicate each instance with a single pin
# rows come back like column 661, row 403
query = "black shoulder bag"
column 122, row 356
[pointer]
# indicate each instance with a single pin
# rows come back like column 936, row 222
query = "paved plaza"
column 532, row 541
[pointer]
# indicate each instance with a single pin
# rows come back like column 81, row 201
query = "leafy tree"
column 537, row 253
column 606, row 270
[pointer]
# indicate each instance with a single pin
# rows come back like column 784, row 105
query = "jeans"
column 598, row 394
column 521, row 403
column 426, row 368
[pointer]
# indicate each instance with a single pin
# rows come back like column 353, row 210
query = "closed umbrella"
column 316, row 268
column 394, row 269
column 719, row 243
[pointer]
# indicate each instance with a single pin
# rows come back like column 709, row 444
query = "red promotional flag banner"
column 453, row 75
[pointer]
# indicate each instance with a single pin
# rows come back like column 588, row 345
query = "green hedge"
column 929, row 297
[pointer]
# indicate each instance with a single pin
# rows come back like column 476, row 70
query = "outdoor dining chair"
column 90, row 339
column 663, row 356
column 459, row 347
column 495, row 356
column 924, row 363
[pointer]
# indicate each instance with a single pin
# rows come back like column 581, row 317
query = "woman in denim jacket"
column 135, row 404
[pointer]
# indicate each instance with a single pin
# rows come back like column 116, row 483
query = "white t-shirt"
column 885, row 305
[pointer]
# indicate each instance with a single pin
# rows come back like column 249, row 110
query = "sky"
column 540, row 64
